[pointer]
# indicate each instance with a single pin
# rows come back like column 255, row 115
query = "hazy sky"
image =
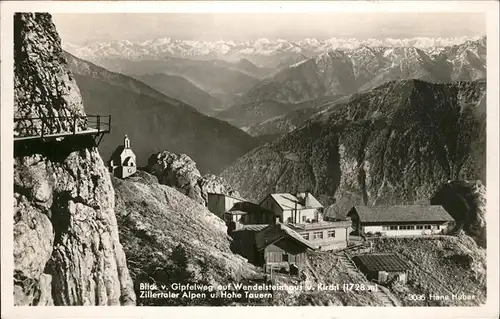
column 79, row 28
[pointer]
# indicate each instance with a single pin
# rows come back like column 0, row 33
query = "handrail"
column 92, row 124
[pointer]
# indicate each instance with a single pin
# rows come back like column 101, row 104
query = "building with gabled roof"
column 218, row 203
column 254, row 214
column 274, row 247
column 400, row 220
column 303, row 213
column 281, row 248
column 382, row 267
column 293, row 208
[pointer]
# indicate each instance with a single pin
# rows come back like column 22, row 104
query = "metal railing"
column 33, row 127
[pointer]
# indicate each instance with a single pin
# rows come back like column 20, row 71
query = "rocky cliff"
column 66, row 243
column 466, row 202
column 180, row 171
column 395, row 144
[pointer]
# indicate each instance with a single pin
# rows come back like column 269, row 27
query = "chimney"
column 307, row 202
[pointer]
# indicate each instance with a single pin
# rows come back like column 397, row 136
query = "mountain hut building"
column 400, row 220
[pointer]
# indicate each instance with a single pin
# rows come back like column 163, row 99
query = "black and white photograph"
column 250, row 158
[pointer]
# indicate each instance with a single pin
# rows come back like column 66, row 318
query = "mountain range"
column 253, row 50
column 393, row 144
column 336, row 73
column 155, row 122
column 224, row 81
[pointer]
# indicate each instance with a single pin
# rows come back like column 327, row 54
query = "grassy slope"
column 154, row 219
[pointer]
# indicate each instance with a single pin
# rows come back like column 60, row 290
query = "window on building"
column 393, row 227
column 285, row 257
column 427, row 227
column 331, row 234
column 402, row 227
column 410, row 227
column 306, row 236
column 318, row 235
column 304, row 218
column 420, row 227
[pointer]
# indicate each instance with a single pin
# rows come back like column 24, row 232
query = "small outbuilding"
column 282, row 249
column 382, row 268
column 218, row 204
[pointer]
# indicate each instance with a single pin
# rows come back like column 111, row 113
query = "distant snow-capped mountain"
column 168, row 47
column 344, row 72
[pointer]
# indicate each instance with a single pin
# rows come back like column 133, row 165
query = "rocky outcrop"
column 66, row 244
column 179, row 171
column 215, row 184
column 43, row 89
column 466, row 203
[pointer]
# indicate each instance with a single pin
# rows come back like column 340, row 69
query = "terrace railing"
column 60, row 126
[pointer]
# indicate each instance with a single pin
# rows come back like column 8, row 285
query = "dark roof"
column 274, row 232
column 251, row 208
column 235, row 212
column 380, row 262
column 402, row 213
column 117, row 152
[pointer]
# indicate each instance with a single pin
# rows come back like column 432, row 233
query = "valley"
column 142, row 112
column 246, row 94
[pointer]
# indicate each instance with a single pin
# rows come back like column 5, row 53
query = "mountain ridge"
column 333, row 73
column 142, row 112
column 360, row 152
column 168, row 47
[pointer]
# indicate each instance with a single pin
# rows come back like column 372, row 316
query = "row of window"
column 304, row 219
column 319, row 235
column 410, row 227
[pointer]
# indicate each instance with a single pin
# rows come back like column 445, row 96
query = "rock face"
column 42, row 89
column 158, row 223
column 466, row 202
column 179, row 171
column 66, row 245
column 361, row 152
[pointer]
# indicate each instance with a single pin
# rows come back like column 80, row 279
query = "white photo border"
column 8, row 8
